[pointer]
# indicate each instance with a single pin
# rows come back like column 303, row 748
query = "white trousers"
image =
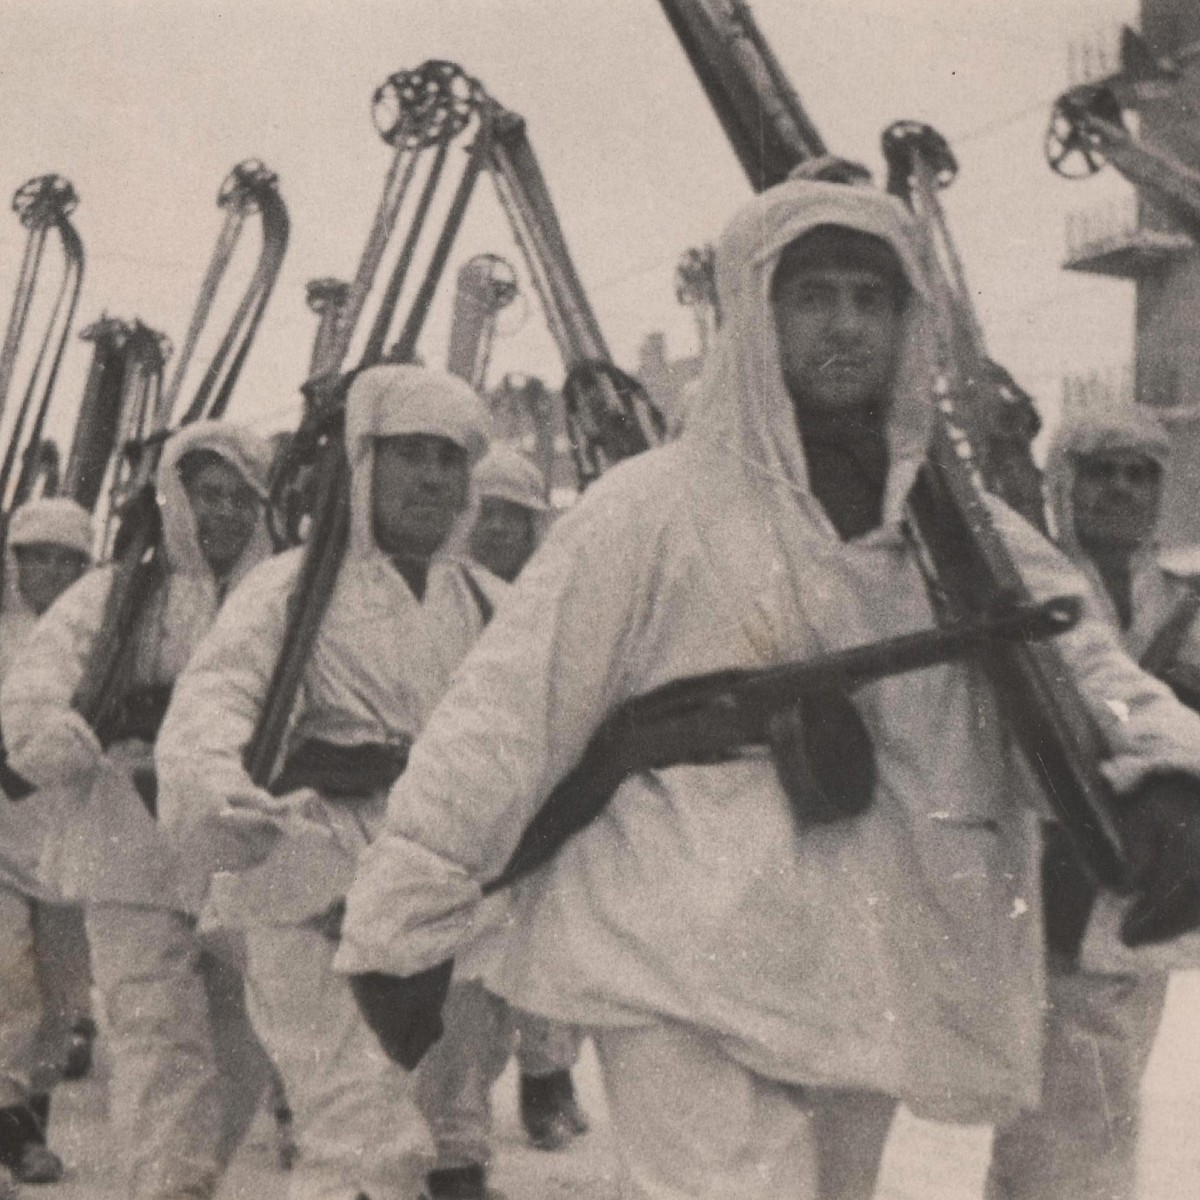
column 245, row 1071
column 357, row 1126
column 456, row 1077
column 693, row 1124
column 165, row 1095
column 65, row 970
column 44, row 989
column 1082, row 1143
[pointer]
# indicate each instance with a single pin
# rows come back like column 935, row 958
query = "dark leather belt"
column 138, row 714
column 341, row 771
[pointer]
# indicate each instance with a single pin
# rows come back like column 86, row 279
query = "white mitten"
column 65, row 754
column 239, row 835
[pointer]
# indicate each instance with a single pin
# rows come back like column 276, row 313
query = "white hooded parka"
column 23, row 825
column 1156, row 594
column 381, row 661
column 898, row 952
column 109, row 849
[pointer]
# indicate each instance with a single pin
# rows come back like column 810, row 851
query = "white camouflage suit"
column 115, row 858
column 730, row 965
column 1100, row 1025
column 381, row 661
column 32, row 1040
column 543, row 1047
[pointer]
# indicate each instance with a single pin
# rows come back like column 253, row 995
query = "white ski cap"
column 507, row 474
column 395, row 399
column 55, row 521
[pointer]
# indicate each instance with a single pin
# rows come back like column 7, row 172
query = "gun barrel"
column 765, row 690
column 707, row 718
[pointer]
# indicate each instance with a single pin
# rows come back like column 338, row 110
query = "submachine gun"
column 949, row 512
column 717, row 717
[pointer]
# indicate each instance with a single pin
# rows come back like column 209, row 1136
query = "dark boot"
column 457, row 1183
column 18, row 1127
column 550, row 1110
column 39, row 1105
column 39, row 1164
column 286, row 1149
column 78, row 1064
column 22, row 1147
column 36, row 1162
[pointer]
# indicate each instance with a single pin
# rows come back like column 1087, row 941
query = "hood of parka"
column 507, row 474
column 48, row 520
column 193, row 593
column 396, row 399
column 742, row 410
column 801, row 589
column 247, row 454
column 1127, row 427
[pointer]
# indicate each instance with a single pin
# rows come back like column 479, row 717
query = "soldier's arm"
column 218, row 696
column 517, row 717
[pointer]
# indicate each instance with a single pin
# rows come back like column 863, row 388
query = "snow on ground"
column 923, row 1161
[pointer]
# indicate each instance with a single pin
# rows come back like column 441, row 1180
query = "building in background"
column 1132, row 240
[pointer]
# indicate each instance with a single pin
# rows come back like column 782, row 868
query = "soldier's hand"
column 239, row 835
column 66, row 753
column 404, row 1011
column 1161, row 831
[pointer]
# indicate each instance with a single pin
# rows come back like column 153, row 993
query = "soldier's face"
column 503, row 536
column 45, row 571
column 419, row 487
column 226, row 509
column 839, row 335
column 1116, row 498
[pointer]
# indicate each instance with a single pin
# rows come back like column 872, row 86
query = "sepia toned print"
column 599, row 599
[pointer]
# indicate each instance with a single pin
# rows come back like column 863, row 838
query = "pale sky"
column 145, row 105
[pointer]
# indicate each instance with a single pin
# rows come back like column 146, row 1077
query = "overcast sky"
column 145, row 105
